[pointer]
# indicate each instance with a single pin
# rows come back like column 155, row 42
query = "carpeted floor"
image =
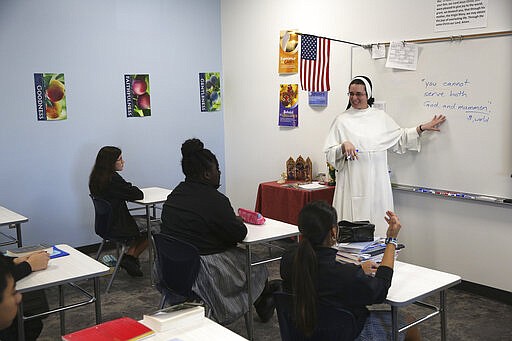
column 470, row 317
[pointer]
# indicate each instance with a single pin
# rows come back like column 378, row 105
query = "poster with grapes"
column 136, row 89
column 288, row 52
column 50, row 91
column 289, row 105
column 209, row 91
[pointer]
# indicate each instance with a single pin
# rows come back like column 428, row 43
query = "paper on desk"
column 313, row 185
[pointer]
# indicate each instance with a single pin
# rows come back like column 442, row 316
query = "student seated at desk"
column 33, row 302
column 312, row 275
column 9, row 298
column 197, row 213
column 105, row 182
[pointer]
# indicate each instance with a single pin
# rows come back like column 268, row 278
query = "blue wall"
column 45, row 165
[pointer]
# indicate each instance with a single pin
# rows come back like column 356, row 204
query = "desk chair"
column 177, row 264
column 334, row 324
column 102, row 223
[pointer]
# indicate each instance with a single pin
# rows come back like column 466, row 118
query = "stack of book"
column 363, row 251
column 180, row 316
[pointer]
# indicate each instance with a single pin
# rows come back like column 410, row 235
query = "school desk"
column 412, row 283
column 257, row 234
column 11, row 219
column 152, row 197
column 75, row 267
column 205, row 329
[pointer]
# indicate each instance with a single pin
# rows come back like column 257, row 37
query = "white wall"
column 45, row 165
column 439, row 233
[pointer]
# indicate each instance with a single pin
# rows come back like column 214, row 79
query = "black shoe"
column 265, row 307
column 129, row 263
column 274, row 285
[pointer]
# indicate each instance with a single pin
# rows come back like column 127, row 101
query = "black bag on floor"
column 357, row 231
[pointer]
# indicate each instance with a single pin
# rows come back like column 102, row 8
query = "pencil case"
column 356, row 231
column 251, row 217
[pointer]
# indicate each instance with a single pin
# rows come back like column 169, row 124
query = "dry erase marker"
column 349, row 157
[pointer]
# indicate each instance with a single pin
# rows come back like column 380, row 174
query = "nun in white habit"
column 357, row 147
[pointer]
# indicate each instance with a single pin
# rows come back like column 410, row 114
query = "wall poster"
column 136, row 89
column 209, row 91
column 289, row 105
column 288, row 52
column 50, row 91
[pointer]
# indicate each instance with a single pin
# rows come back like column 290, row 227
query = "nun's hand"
column 349, row 150
column 434, row 124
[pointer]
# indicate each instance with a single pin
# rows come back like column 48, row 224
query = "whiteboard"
column 469, row 81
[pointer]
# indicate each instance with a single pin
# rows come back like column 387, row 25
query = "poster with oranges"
column 136, row 89
column 289, row 105
column 50, row 91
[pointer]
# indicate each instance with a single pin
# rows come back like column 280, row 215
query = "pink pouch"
column 251, row 217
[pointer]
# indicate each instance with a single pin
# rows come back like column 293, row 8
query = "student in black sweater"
column 34, row 302
column 106, row 183
column 9, row 298
column 196, row 212
column 312, row 275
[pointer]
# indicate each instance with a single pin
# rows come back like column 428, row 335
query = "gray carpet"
column 470, row 317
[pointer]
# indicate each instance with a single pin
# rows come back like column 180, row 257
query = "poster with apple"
column 136, row 89
column 50, row 91
column 209, row 91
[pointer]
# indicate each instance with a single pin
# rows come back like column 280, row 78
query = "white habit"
column 363, row 188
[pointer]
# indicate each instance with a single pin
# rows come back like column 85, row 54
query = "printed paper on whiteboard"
column 402, row 56
column 378, row 51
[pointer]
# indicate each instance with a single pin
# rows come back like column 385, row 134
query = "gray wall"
column 45, row 165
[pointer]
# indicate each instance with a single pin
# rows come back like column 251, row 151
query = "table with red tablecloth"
column 284, row 201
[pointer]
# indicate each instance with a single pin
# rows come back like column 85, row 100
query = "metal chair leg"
column 247, row 325
column 98, row 253
column 118, row 263
column 162, row 302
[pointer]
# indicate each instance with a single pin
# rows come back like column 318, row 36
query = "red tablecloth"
column 277, row 201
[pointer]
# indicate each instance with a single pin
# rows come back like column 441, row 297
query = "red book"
column 122, row 329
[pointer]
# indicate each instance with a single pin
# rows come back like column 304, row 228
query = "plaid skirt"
column 378, row 326
column 222, row 284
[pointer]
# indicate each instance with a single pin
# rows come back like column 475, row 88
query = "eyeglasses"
column 357, row 94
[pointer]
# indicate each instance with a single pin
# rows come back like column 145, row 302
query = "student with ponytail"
column 312, row 275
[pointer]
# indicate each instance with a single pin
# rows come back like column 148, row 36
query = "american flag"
column 314, row 63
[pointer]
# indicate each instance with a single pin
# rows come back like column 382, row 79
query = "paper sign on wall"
column 318, row 98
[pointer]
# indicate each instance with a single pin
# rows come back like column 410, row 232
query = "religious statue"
column 290, row 169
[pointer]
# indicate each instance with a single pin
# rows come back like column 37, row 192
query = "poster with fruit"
column 136, row 89
column 50, row 93
column 289, row 105
column 209, row 91
column 288, row 52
